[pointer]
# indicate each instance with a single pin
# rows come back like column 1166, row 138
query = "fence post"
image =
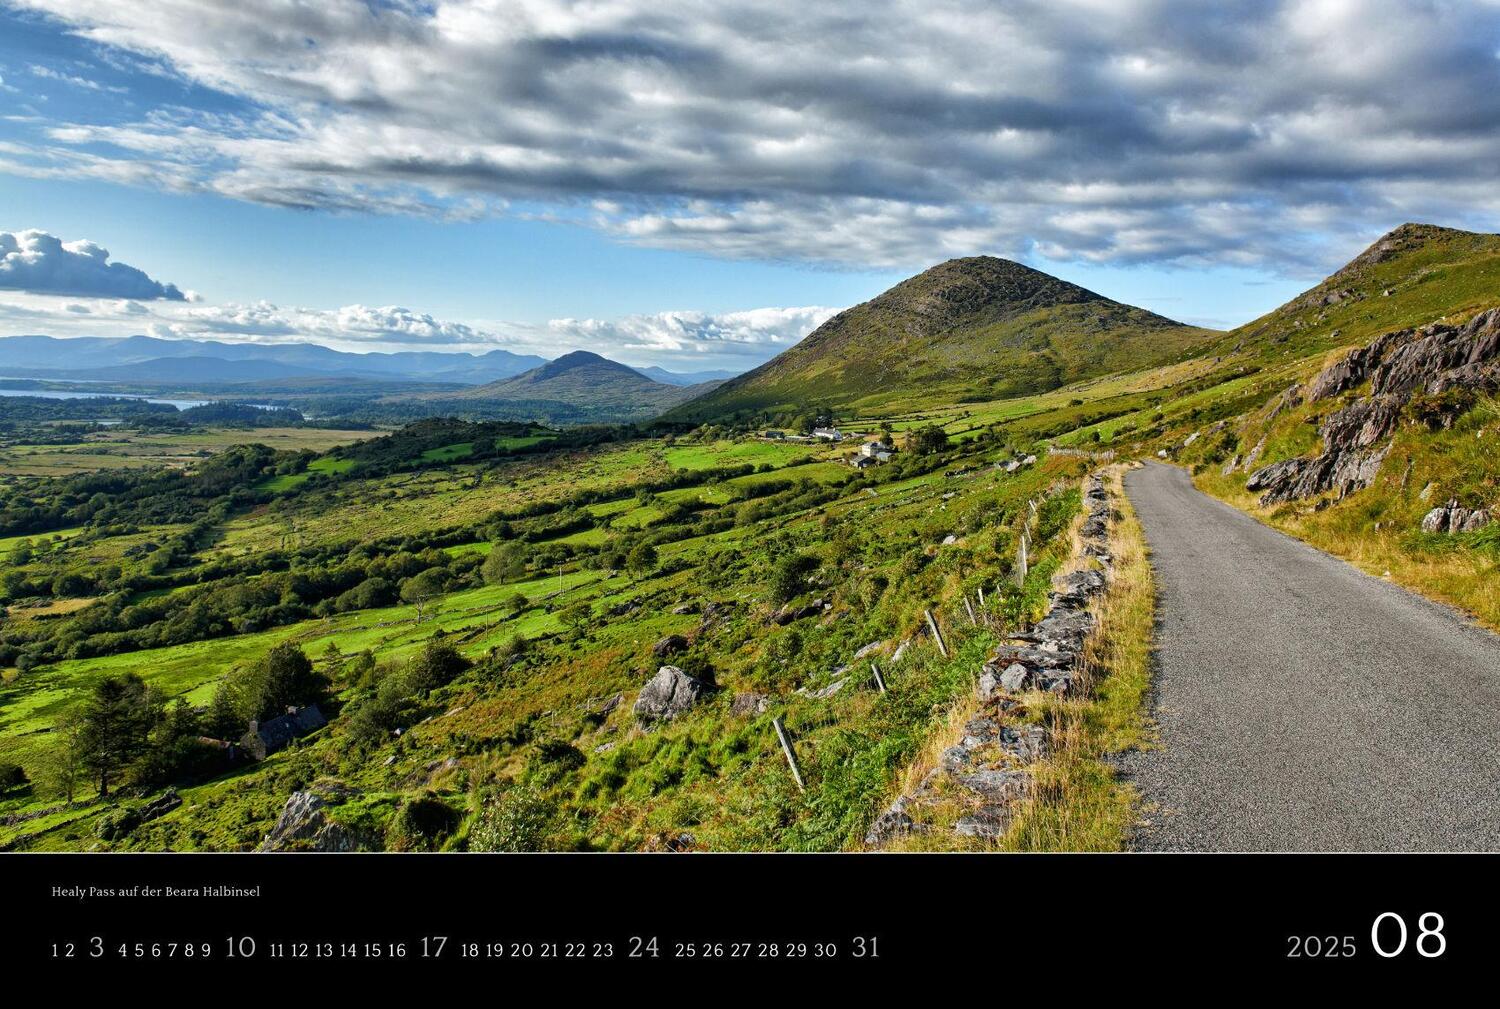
column 786, row 747
column 981, row 597
column 879, row 680
column 1021, row 566
column 969, row 607
column 937, row 635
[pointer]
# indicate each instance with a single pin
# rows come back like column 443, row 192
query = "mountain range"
column 151, row 359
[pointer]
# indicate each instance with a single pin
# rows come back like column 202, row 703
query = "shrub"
column 421, row 824
column 11, row 776
column 518, row 820
column 436, row 665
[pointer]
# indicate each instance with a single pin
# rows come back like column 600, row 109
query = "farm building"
column 265, row 738
column 877, row 450
column 828, row 433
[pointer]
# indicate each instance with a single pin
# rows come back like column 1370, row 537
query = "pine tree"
column 117, row 723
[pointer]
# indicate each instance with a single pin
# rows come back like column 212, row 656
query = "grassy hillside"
column 741, row 532
column 967, row 330
column 556, row 562
column 1249, row 396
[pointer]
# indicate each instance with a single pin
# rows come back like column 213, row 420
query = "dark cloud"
column 39, row 263
column 890, row 133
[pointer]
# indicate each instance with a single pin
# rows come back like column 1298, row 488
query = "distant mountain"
column 50, row 357
column 965, row 330
column 597, row 389
column 685, row 377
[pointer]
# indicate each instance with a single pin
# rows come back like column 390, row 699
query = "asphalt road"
column 1304, row 705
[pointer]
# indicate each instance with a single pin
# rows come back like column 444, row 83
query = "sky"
column 696, row 184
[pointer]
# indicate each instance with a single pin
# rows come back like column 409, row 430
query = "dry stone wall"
column 990, row 764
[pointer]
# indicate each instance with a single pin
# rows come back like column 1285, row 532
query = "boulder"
column 748, row 705
column 669, row 693
column 669, row 646
column 682, row 609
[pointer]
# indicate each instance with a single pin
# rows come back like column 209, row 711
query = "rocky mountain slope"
column 967, row 329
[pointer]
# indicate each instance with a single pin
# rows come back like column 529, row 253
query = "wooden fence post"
column 786, row 747
column 1021, row 565
column 969, row 607
column 879, row 680
column 937, row 635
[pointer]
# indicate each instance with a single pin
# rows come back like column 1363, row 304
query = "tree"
column 175, row 751
column 641, row 561
column 285, row 678
column 62, row 765
column 422, row 588
column 505, row 562
column 576, row 616
column 929, row 440
column 117, row 722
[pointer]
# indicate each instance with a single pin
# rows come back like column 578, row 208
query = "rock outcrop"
column 1450, row 518
column 304, row 825
column 1398, row 365
column 668, row 694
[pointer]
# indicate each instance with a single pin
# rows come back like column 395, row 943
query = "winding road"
column 1302, row 704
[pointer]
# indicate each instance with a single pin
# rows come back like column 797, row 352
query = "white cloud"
column 689, row 340
column 40, row 263
column 752, row 336
column 894, row 133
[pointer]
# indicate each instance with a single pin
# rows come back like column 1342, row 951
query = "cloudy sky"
column 695, row 184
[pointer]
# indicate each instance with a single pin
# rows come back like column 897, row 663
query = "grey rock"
column 989, row 682
column 828, row 691
column 1015, row 678
column 893, row 823
column 997, row 785
column 989, row 822
column 304, row 826
column 955, row 758
column 668, row 694
column 748, row 705
column 979, row 731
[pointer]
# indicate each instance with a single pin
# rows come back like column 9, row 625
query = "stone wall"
column 990, row 765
